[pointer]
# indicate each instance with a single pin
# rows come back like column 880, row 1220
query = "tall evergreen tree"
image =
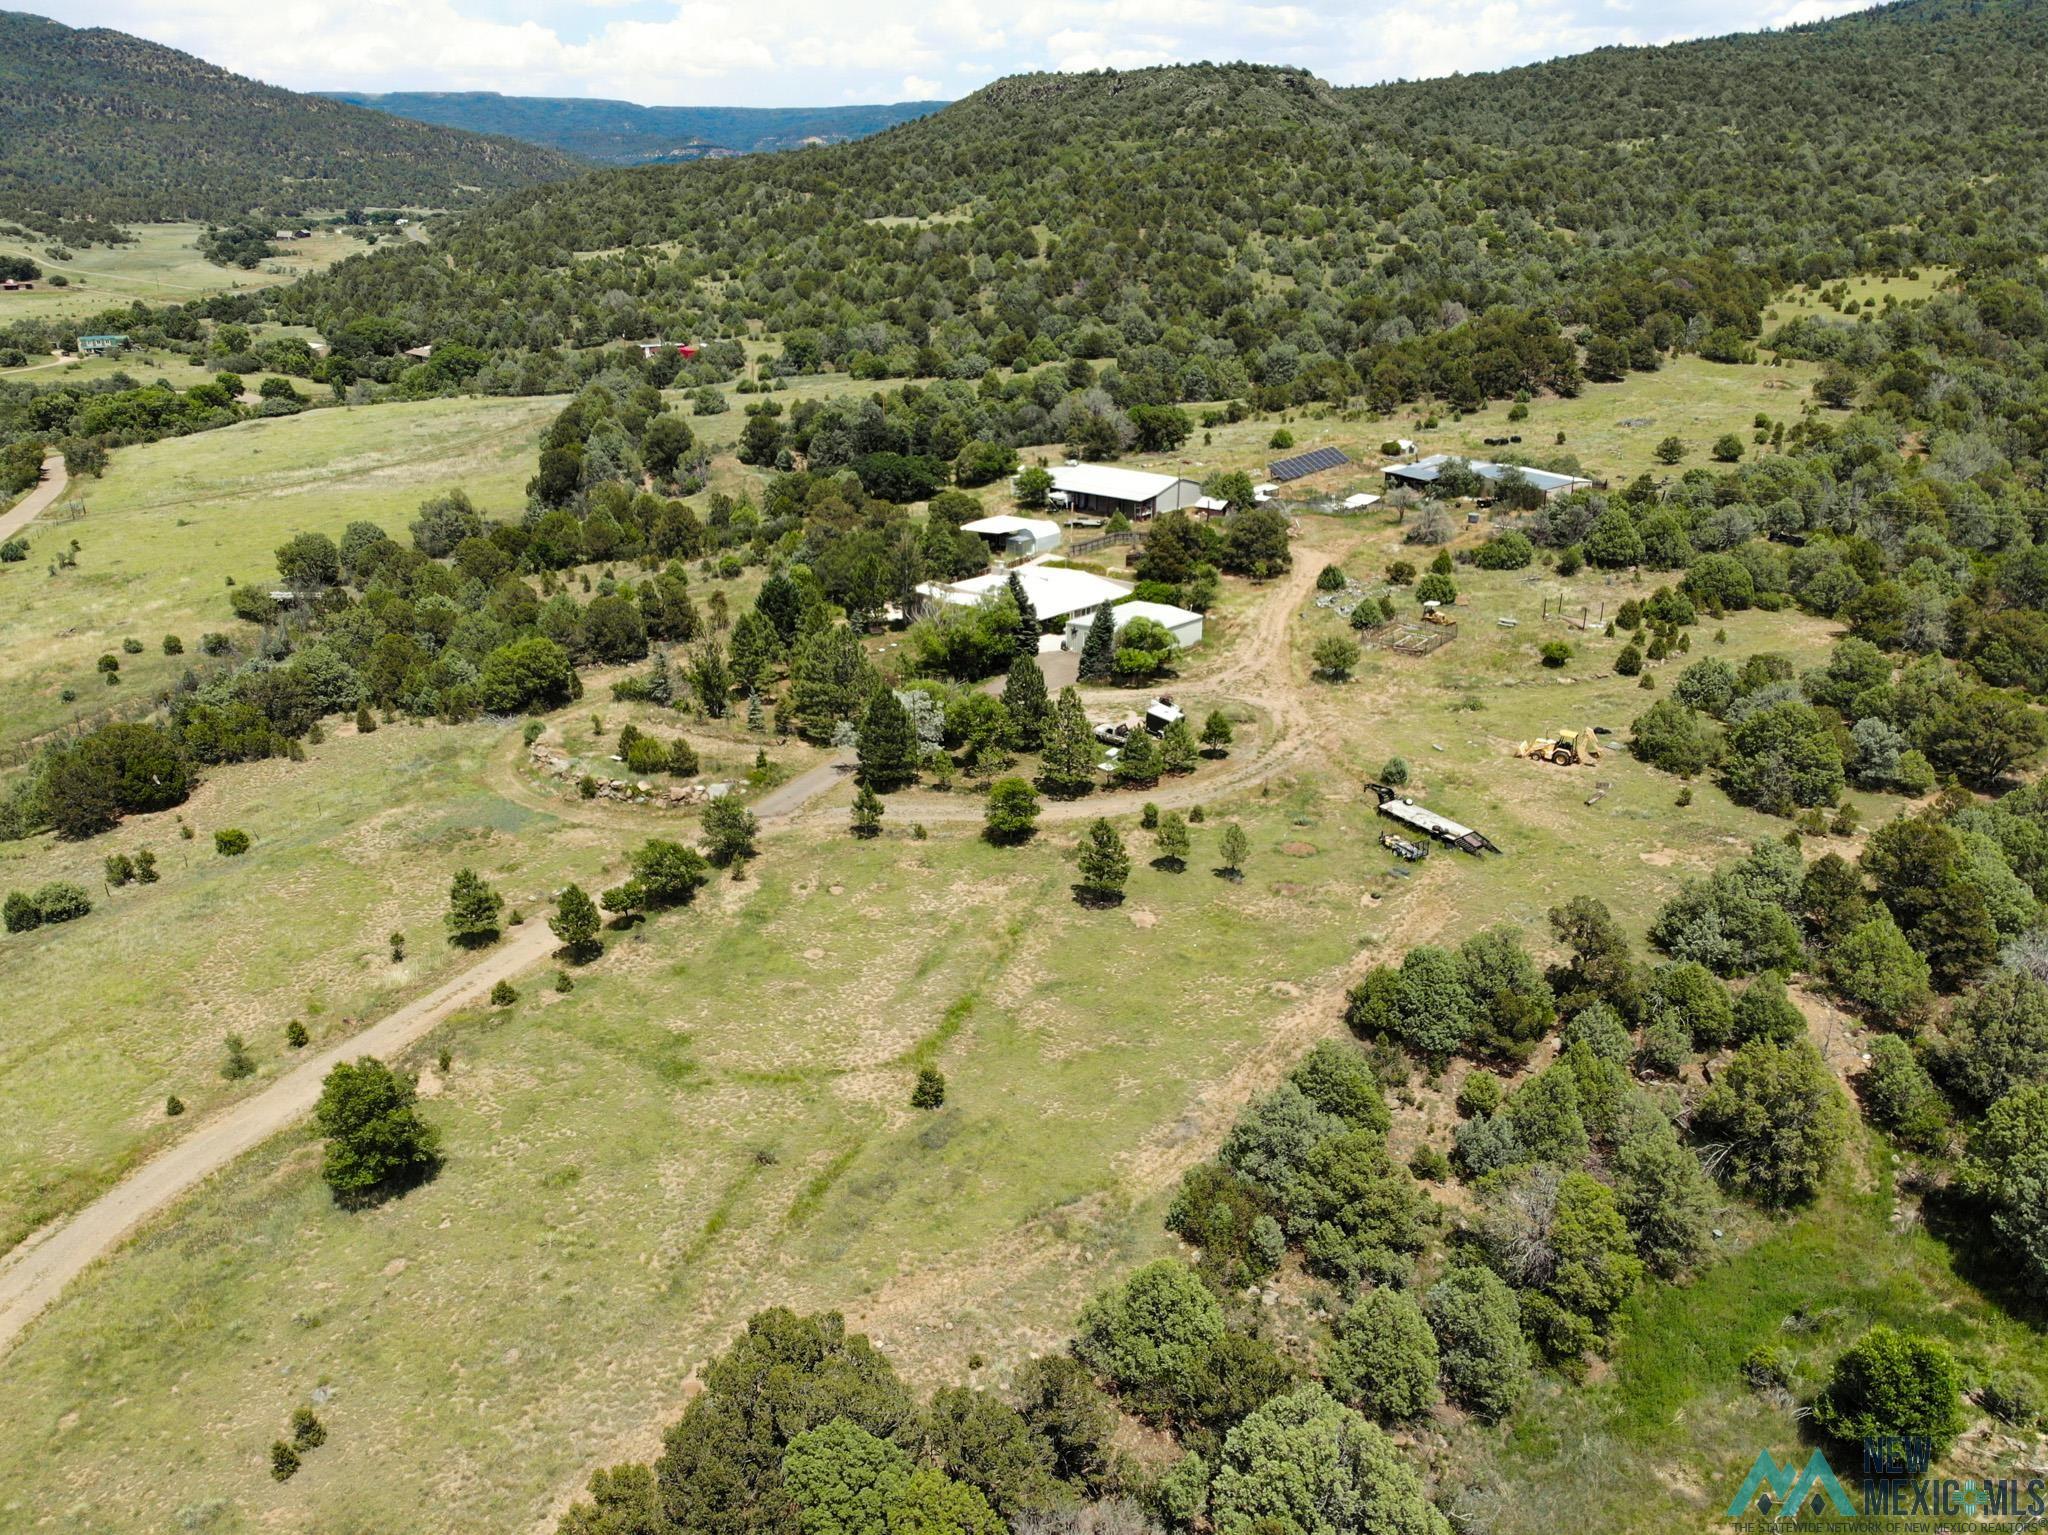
column 1069, row 762
column 1027, row 619
column 1029, row 706
column 1098, row 651
column 1138, row 761
column 887, row 746
column 830, row 679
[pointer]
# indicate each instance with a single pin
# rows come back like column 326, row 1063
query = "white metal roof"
column 1002, row 524
column 1114, row 484
column 1164, row 613
column 1360, row 502
column 1427, row 469
column 1211, row 504
column 1054, row 590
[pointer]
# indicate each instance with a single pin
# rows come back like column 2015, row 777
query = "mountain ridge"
column 621, row 133
column 95, row 127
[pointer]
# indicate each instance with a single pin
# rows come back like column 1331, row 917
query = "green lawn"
column 160, row 534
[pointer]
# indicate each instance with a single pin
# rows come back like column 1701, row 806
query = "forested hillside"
column 1223, row 229
column 624, row 133
column 96, row 125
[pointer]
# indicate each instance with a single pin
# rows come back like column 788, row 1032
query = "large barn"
column 1136, row 493
column 1057, row 592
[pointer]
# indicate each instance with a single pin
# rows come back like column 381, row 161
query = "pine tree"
column 867, row 812
column 575, row 922
column 1025, row 697
column 1235, row 847
column 1104, row 863
column 830, row 679
column 1098, row 651
column 661, row 680
column 887, row 745
column 756, row 720
column 711, row 678
column 1177, row 750
column 473, row 910
column 1174, row 841
column 1138, row 761
column 1216, row 733
column 1069, row 762
column 1027, row 619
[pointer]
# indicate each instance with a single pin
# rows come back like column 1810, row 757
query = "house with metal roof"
column 1056, row 591
column 101, row 346
column 1134, row 492
column 1423, row 473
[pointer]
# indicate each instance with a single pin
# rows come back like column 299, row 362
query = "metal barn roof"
column 1424, row 471
column 1110, row 483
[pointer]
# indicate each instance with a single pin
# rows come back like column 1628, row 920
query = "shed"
column 1015, row 537
column 1360, row 502
column 101, row 346
column 1134, row 492
column 1184, row 626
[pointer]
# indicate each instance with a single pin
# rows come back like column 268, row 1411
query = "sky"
column 826, row 52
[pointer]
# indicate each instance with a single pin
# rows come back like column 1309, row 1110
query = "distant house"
column 1133, row 492
column 1423, row 473
column 101, row 346
column 422, row 353
column 1184, row 626
column 683, row 349
column 1015, row 537
column 1056, row 592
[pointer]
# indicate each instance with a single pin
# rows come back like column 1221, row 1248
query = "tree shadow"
column 1235, row 876
column 1963, row 1226
column 1097, row 900
column 1168, row 865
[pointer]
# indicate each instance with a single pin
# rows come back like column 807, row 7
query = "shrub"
column 377, row 1145
column 1395, row 774
column 1483, row 1360
column 1479, row 1094
column 930, row 1092
column 504, row 994
column 1778, row 1112
column 2014, row 1397
column 1383, row 1359
column 295, row 1035
column 232, row 842
column 1554, row 653
column 1892, row 1384
column 56, row 901
column 284, row 1462
column 1766, row 1368
column 236, row 1062
column 1901, row 1098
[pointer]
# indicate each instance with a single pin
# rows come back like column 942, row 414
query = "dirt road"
column 36, row 1272
column 37, row 501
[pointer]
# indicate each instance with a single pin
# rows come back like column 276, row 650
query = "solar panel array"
column 1313, row 462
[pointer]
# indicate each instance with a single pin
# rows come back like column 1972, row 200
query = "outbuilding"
column 1015, row 537
column 101, row 346
column 1424, row 472
column 1136, row 493
column 1184, row 626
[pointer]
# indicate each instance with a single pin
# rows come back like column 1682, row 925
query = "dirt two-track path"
column 36, row 1272
column 37, row 501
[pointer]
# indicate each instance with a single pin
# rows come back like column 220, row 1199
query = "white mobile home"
column 1184, row 626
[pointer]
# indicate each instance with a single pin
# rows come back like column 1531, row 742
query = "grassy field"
column 130, row 1004
column 163, row 266
column 159, row 535
column 716, row 1118
column 1865, row 290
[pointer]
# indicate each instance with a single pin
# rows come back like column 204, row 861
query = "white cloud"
column 802, row 51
